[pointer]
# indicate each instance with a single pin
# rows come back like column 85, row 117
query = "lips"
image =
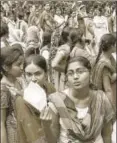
column 76, row 83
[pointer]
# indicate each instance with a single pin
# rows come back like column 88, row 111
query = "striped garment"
column 98, row 71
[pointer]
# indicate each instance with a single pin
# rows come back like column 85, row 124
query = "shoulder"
column 50, row 88
column 56, row 96
column 65, row 48
column 101, row 96
column 4, row 87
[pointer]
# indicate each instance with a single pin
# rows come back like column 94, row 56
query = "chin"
column 77, row 87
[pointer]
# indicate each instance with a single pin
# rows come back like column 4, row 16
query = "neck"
column 80, row 94
column 107, row 54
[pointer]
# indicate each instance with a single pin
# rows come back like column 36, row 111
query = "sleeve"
column 46, row 16
column 55, row 125
column 106, row 72
column 45, row 54
column 109, row 110
column 64, row 50
column 50, row 120
column 4, row 99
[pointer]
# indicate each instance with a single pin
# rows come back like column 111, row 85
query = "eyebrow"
column 33, row 72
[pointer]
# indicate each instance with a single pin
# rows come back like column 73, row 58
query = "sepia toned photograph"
column 58, row 71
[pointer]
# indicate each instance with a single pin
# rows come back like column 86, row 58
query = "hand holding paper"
column 35, row 96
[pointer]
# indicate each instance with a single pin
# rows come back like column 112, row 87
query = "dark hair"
column 9, row 55
column 37, row 59
column 46, row 38
column 20, row 15
column 106, row 41
column 100, row 9
column 85, row 63
column 75, row 35
column 4, row 29
column 81, row 59
column 64, row 35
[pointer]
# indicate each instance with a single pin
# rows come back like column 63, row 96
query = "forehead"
column 75, row 65
column 32, row 68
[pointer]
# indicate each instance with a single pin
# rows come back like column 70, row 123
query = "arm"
column 90, row 29
column 49, row 24
column 106, row 132
column 50, row 122
column 107, row 85
column 3, row 127
column 55, row 63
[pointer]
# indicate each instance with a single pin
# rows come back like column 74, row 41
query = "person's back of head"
column 4, row 29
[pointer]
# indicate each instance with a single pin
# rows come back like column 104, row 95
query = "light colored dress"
column 100, row 27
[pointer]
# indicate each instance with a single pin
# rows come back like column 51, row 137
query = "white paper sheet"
column 35, row 96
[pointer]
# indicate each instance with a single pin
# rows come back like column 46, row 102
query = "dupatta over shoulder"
column 100, row 112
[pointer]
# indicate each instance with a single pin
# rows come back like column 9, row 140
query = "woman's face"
column 78, row 75
column 47, row 7
column 73, row 14
column 58, row 12
column 98, row 13
column 16, row 69
column 35, row 74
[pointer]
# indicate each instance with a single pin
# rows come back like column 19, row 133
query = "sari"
column 30, row 128
column 59, row 77
column 8, row 99
column 70, row 127
column 107, row 67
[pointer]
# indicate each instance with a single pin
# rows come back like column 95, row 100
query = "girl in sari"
column 30, row 128
column 104, row 71
column 69, row 38
column 12, row 68
column 79, row 113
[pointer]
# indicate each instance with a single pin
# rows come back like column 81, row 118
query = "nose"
column 21, row 67
column 33, row 78
column 76, row 76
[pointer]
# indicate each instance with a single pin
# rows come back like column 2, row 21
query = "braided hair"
column 106, row 42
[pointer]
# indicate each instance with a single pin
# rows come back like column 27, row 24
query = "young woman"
column 80, row 46
column 33, row 38
column 69, row 38
column 59, row 19
column 100, row 26
column 30, row 128
column 12, row 68
column 79, row 113
column 59, row 61
column 104, row 71
column 72, row 21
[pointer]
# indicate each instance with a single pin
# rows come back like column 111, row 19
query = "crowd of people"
column 58, row 72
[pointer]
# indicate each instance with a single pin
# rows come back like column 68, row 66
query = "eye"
column 38, row 73
column 70, row 73
column 80, row 71
column 28, row 74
